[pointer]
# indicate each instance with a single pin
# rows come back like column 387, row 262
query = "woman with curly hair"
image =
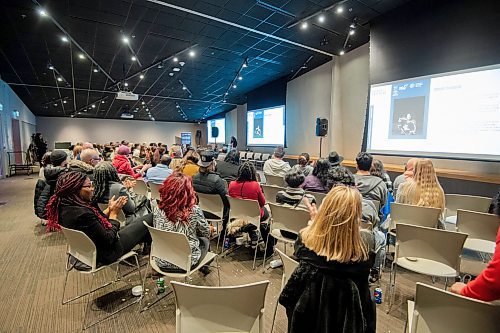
column 316, row 181
column 177, row 211
column 71, row 207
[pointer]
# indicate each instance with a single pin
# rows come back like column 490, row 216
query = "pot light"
column 42, row 12
column 339, row 10
column 321, row 18
column 126, row 84
column 93, row 106
column 304, row 25
column 341, row 52
column 176, row 69
column 175, row 59
column 65, row 39
column 51, row 67
column 192, row 53
column 59, row 79
column 351, row 32
column 125, row 39
column 141, row 76
column 81, row 56
column 234, row 86
column 133, row 58
column 96, row 70
column 240, row 77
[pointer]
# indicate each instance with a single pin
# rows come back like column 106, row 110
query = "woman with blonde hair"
column 329, row 292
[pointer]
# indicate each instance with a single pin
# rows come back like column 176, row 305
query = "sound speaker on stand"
column 321, row 130
column 215, row 134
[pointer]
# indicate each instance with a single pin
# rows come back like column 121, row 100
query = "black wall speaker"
column 215, row 132
column 321, row 126
column 198, row 134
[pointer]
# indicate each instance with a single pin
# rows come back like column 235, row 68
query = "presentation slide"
column 221, row 125
column 452, row 115
column 266, row 127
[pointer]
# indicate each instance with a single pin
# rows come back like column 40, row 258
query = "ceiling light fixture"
column 321, row 18
column 125, row 39
column 59, row 79
column 102, row 102
column 339, row 10
column 184, row 88
column 81, row 56
column 65, row 102
column 234, row 86
column 141, row 76
column 176, row 69
column 42, row 12
column 51, row 67
column 245, row 63
column 341, row 52
column 175, row 59
column 240, row 77
column 93, row 106
column 126, row 84
column 182, row 63
column 143, row 102
column 192, row 54
column 96, row 70
column 160, row 65
column 65, row 39
column 351, row 32
column 171, row 74
column 133, row 58
column 304, row 25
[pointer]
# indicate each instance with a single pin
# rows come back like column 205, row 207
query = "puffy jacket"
column 77, row 165
column 123, row 166
column 51, row 176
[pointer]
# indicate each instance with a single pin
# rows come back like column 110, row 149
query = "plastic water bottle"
column 161, row 285
column 226, row 243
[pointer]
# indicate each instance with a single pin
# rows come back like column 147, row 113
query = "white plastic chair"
column 121, row 215
column 81, row 247
column 436, row 311
column 426, row 251
column 263, row 159
column 288, row 219
column 174, row 248
column 270, row 192
column 275, row 180
column 141, row 187
column 318, row 196
column 212, row 203
column 220, row 309
column 155, row 191
column 289, row 266
column 453, row 202
column 244, row 209
column 482, row 229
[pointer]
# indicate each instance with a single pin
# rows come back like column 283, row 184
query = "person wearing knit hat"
column 123, row 165
column 123, row 150
column 59, row 158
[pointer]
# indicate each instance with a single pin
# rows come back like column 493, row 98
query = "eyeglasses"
column 96, row 158
column 91, row 185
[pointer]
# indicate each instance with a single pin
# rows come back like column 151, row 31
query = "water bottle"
column 160, row 283
column 226, row 243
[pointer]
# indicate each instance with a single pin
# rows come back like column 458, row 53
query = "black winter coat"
column 212, row 183
column 327, row 297
column 107, row 242
column 45, row 189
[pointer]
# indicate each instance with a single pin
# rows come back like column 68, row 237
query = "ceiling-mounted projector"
column 127, row 96
column 126, row 115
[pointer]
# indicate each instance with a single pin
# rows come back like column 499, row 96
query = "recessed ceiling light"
column 147, row 109
column 192, row 53
column 304, row 25
column 171, row 74
column 234, row 86
column 224, row 101
column 126, row 84
column 341, row 52
column 184, row 88
column 65, row 39
column 81, row 56
column 240, row 77
column 125, row 39
column 133, row 58
column 59, row 79
column 226, row 93
column 176, row 69
column 339, row 10
column 42, row 12
column 96, row 70
column 175, row 59
column 51, row 67
column 351, row 32
column 65, row 102
column 55, row 104
column 321, row 18
column 143, row 102
column 182, row 63
column 141, row 76
column 93, row 106
column 102, row 102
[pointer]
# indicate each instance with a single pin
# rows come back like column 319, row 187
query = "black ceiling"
column 30, row 42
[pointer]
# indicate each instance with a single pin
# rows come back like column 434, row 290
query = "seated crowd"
column 340, row 252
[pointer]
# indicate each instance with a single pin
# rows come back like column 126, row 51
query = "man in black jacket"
column 209, row 182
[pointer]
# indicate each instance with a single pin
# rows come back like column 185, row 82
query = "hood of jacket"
column 366, row 183
column 277, row 165
column 52, row 173
column 77, row 164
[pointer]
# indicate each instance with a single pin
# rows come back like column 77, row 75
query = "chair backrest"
column 270, row 192
column 275, row 180
column 289, row 266
column 429, row 243
column 170, row 246
column 465, row 202
column 244, row 209
column 141, row 187
column 437, row 310
column 416, row 215
column 478, row 225
column 155, row 191
column 121, row 215
column 81, row 247
column 249, row 155
column 257, row 156
column 318, row 196
column 265, row 157
column 243, row 154
column 288, row 218
column 211, row 203
column 203, row 309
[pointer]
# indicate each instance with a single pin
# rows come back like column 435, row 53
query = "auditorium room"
column 259, row 166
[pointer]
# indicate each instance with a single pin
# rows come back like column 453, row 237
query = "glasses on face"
column 96, row 158
column 91, row 185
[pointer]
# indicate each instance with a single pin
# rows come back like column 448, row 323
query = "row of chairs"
column 258, row 159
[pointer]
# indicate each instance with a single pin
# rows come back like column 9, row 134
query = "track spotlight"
column 65, row 102
column 184, row 88
column 81, row 56
column 126, row 84
column 245, row 63
column 160, row 65
column 93, row 106
column 234, row 86
column 96, row 70
column 50, row 67
column 182, row 63
column 351, row 32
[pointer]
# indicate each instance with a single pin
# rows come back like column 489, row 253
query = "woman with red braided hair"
column 71, row 207
column 178, row 212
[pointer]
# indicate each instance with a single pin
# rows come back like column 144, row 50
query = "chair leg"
column 274, row 316
column 88, row 303
column 64, row 286
column 392, row 286
column 255, row 255
column 265, row 252
column 218, row 268
column 445, row 283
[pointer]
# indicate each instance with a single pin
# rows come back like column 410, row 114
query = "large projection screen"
column 453, row 115
column 266, row 127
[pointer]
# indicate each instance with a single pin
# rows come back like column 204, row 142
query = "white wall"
column 10, row 102
column 231, row 125
column 106, row 130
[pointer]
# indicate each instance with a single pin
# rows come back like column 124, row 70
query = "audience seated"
column 329, row 290
column 177, row 160
column 107, row 184
column 370, row 187
column 423, row 189
column 189, row 165
column 123, row 166
column 45, row 189
column 485, row 287
column 208, row 182
column 246, row 186
column 334, row 159
column 293, row 194
column 317, row 180
column 43, row 164
column 77, row 149
column 378, row 170
column 228, row 169
column 276, row 166
column 160, row 172
column 177, row 211
column 303, row 164
column 88, row 160
column 71, row 207
column 403, row 177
